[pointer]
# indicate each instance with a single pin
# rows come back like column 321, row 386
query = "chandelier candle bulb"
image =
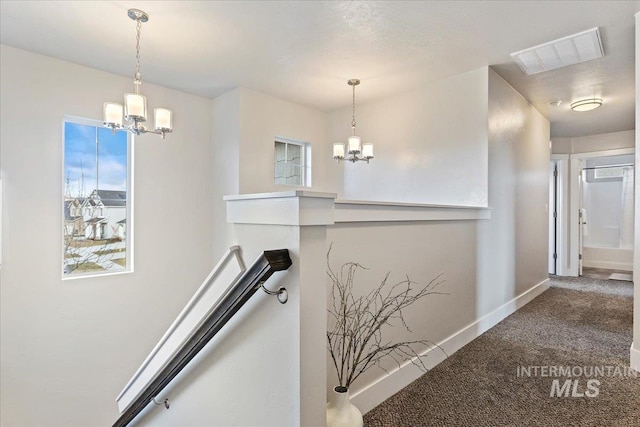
column 367, row 151
column 162, row 119
column 135, row 107
column 112, row 114
column 354, row 144
column 338, row 151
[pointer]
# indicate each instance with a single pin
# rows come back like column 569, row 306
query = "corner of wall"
column 635, row 356
column 511, row 258
column 264, row 117
column 225, row 140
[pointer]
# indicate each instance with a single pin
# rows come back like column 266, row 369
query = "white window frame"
column 305, row 167
column 129, row 237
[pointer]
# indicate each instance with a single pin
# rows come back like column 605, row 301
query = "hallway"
column 506, row 376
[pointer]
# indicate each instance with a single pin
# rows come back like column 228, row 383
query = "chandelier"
column 356, row 150
column 135, row 104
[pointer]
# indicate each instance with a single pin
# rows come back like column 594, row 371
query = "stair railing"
column 222, row 311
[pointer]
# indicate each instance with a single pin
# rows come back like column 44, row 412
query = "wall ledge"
column 280, row 195
column 368, row 211
column 296, row 208
column 301, row 208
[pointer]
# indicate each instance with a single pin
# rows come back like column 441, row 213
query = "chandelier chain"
column 353, row 111
column 137, row 77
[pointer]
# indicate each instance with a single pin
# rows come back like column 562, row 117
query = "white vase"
column 340, row 410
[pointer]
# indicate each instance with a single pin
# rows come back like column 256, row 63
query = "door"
column 581, row 218
column 553, row 217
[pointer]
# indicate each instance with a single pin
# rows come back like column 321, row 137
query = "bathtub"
column 610, row 258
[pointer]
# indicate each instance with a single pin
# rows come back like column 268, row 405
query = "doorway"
column 558, row 217
column 588, row 188
column 606, row 217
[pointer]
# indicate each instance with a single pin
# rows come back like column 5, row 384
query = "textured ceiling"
column 305, row 51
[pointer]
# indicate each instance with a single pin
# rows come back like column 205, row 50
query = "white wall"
column 267, row 365
column 421, row 250
column 445, row 150
column 635, row 348
column 513, row 246
column 561, row 146
column 68, row 347
column 225, row 140
column 430, row 144
column 607, row 141
column 262, row 118
column 591, row 143
column 258, row 350
column 491, row 266
column 245, row 125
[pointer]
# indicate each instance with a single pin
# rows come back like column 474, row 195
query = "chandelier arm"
column 354, row 158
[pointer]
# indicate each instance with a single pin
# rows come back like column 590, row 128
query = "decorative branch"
column 354, row 338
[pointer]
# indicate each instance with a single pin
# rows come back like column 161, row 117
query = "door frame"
column 561, row 202
column 573, row 219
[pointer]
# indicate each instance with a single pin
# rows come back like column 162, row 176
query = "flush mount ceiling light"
column 573, row 49
column 586, row 104
column 135, row 105
column 357, row 151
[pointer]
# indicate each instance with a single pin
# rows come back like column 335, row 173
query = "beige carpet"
column 581, row 323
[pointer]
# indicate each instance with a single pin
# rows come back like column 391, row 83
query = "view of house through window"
column 96, row 199
column 290, row 163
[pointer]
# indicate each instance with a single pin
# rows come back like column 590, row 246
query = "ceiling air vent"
column 569, row 50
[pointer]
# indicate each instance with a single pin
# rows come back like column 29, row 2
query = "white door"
column 553, row 217
column 581, row 219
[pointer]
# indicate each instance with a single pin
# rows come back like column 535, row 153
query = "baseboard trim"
column 377, row 392
column 634, row 360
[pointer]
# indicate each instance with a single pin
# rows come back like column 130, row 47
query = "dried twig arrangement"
column 355, row 332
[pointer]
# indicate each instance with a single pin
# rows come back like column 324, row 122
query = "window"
column 96, row 199
column 291, row 160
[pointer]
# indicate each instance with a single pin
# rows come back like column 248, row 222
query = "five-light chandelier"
column 356, row 150
column 135, row 104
